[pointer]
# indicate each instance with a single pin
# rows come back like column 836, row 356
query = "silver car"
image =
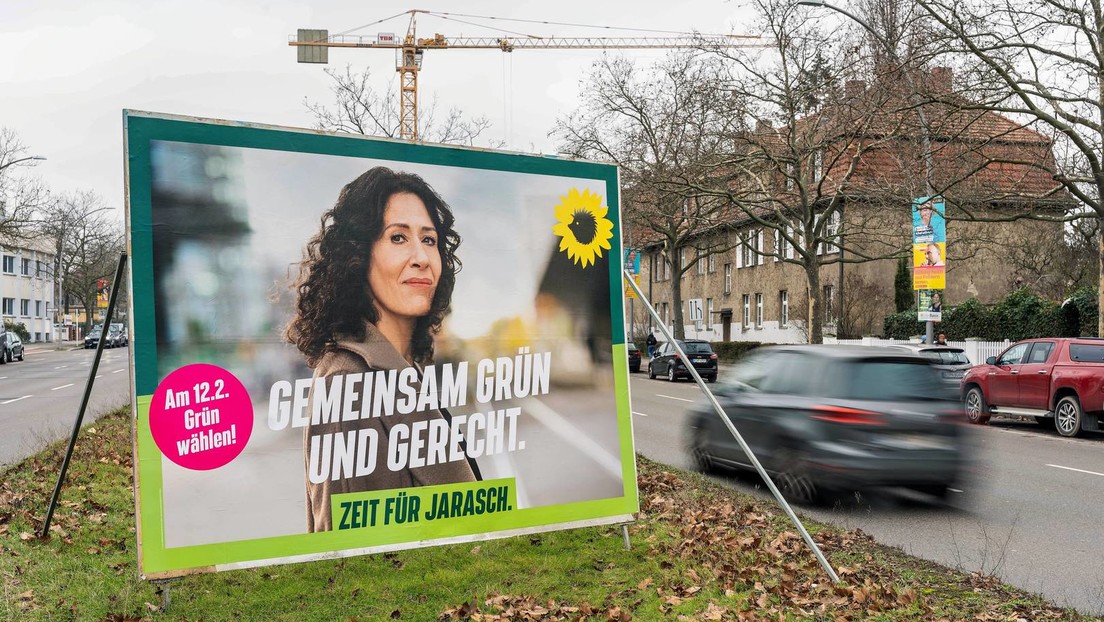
column 836, row 418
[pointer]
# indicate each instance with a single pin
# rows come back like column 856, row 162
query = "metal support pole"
column 625, row 535
column 87, row 393
column 736, row 434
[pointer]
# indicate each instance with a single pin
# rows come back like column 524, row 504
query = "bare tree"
column 818, row 128
column 87, row 244
column 358, row 108
column 1044, row 64
column 20, row 196
column 663, row 125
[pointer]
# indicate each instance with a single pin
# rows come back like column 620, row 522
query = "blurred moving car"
column 951, row 362
column 11, row 347
column 666, row 361
column 1058, row 381
column 835, row 418
column 634, row 357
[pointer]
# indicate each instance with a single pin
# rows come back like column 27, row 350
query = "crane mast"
column 313, row 46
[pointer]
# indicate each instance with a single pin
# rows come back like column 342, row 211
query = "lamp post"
column 7, row 164
column 925, row 139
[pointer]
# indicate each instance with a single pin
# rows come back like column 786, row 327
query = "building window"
column 759, row 310
column 831, row 232
column 747, row 310
column 712, row 262
column 9, row 264
column 818, row 165
column 24, row 307
column 752, row 248
column 784, row 305
column 727, row 279
column 828, row 304
column 38, row 309
column 701, row 265
column 8, row 306
column 25, row 266
column 709, row 312
column 40, row 269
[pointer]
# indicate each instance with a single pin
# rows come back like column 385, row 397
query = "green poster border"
column 140, row 128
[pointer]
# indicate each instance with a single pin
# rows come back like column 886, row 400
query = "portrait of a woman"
column 374, row 286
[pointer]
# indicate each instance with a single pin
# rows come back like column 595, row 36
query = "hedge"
column 1020, row 315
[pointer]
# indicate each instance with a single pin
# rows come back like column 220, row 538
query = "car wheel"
column 977, row 411
column 3, row 358
column 651, row 371
column 670, row 373
column 23, row 354
column 795, row 481
column 702, row 460
column 711, row 379
column 1067, row 416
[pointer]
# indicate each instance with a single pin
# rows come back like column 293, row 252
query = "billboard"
column 929, row 243
column 345, row 345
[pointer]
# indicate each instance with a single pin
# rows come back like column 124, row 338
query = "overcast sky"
column 70, row 67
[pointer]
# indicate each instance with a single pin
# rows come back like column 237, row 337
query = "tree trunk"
column 679, row 328
column 1100, row 279
column 816, row 305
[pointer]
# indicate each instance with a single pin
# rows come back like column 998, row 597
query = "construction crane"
column 313, row 47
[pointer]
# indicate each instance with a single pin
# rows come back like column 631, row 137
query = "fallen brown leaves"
column 719, row 542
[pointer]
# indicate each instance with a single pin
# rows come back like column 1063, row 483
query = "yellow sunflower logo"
column 582, row 226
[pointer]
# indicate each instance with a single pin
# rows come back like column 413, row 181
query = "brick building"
column 985, row 165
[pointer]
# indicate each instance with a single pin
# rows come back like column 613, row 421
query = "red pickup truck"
column 1058, row 381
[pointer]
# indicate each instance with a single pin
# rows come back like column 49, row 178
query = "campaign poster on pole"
column 929, row 243
column 345, row 345
column 929, row 307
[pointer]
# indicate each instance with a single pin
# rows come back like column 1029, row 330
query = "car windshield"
column 946, row 357
column 884, row 379
column 696, row 347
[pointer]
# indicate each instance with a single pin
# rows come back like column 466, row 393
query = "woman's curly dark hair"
column 334, row 296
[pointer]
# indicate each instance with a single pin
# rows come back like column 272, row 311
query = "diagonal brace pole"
column 87, row 393
column 735, row 433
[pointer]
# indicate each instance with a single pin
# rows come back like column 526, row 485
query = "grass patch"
column 699, row 551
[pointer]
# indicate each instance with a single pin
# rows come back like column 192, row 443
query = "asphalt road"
column 40, row 396
column 1031, row 515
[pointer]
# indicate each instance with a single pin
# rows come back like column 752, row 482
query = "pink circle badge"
column 201, row 417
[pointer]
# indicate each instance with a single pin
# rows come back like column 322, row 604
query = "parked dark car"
column 836, row 418
column 11, row 347
column 1057, row 381
column 116, row 336
column 666, row 361
column 92, row 339
column 951, row 362
column 634, row 357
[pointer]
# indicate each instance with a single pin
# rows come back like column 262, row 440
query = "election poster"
column 929, row 306
column 344, row 345
column 929, row 243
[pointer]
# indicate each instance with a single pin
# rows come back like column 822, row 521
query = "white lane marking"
column 15, row 400
column 639, row 414
column 1058, row 466
column 62, row 386
column 954, row 490
column 671, row 397
column 118, row 370
column 3, row 377
column 100, row 376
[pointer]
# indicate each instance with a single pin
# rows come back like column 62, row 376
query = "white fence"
column 976, row 350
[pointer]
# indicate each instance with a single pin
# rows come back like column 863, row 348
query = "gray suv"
column 11, row 347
